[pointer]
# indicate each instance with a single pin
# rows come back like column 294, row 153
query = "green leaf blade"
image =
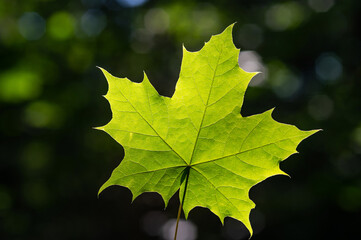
column 151, row 164
column 200, row 133
column 234, row 172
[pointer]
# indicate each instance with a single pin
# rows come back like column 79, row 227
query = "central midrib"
column 205, row 108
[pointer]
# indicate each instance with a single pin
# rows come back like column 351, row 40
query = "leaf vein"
column 150, row 125
column 217, row 189
column 248, row 150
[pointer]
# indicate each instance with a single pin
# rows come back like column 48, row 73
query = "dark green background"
column 53, row 163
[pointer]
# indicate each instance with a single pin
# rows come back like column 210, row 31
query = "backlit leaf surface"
column 198, row 134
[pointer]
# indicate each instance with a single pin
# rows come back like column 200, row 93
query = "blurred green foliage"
column 52, row 161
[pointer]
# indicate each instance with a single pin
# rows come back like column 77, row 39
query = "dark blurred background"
column 53, row 162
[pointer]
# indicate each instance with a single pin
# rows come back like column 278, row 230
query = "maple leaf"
column 197, row 141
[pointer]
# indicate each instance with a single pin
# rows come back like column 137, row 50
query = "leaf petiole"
column 182, row 202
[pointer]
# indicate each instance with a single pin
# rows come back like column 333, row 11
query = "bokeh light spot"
column 131, row 3
column 207, row 18
column 156, row 20
column 42, row 114
column 320, row 107
column 186, row 230
column 283, row 16
column 191, row 24
column 93, row 22
column 19, row 85
column 250, row 61
column 61, row 25
column 328, row 67
column 283, row 81
column 31, row 26
column 321, row 5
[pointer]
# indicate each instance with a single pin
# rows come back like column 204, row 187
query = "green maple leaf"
column 197, row 141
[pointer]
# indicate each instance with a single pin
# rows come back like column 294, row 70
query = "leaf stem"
column 181, row 205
